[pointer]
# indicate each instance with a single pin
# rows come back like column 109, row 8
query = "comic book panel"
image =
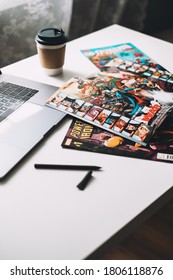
column 113, row 117
column 164, row 77
column 73, row 86
column 120, row 124
column 100, row 56
column 139, row 69
column 93, row 113
column 119, row 63
column 148, row 113
column 84, row 109
column 102, row 117
column 56, row 100
column 142, row 132
column 78, row 88
column 148, row 73
column 170, row 80
column 66, row 103
column 157, row 73
column 130, row 128
column 75, row 106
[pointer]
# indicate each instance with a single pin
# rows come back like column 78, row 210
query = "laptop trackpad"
column 25, row 127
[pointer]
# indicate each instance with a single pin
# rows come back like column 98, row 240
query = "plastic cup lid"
column 51, row 36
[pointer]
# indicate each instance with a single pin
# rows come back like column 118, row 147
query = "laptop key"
column 4, row 109
column 2, row 118
column 12, row 96
column 6, row 114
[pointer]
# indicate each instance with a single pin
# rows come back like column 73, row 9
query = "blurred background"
column 21, row 19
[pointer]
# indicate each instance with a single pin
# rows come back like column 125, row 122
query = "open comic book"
column 121, row 98
column 84, row 136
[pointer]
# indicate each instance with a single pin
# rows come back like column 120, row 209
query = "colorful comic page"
column 115, row 104
column 127, row 58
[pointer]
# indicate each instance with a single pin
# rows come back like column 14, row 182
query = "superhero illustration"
column 130, row 96
column 127, row 58
column 83, row 136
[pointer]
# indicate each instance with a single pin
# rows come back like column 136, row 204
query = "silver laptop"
column 24, row 118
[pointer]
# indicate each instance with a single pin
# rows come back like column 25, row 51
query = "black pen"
column 82, row 185
column 66, row 167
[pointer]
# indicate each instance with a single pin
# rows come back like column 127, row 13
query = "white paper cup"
column 51, row 45
column 51, row 58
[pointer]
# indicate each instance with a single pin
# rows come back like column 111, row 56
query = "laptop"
column 24, row 118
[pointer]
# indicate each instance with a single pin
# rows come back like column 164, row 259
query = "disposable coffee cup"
column 51, row 45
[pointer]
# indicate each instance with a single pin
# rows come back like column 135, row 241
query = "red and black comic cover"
column 84, row 136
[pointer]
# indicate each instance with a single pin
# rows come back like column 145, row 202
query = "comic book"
column 84, row 136
column 124, row 102
column 128, row 58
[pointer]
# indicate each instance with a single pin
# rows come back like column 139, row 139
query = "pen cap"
column 82, row 185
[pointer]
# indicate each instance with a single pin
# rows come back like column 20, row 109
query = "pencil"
column 66, row 167
column 82, row 185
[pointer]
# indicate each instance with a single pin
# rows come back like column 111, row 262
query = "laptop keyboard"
column 12, row 96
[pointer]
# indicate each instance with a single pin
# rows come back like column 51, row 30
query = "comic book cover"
column 84, row 136
column 115, row 104
column 126, row 57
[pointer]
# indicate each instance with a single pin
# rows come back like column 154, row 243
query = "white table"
column 42, row 213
